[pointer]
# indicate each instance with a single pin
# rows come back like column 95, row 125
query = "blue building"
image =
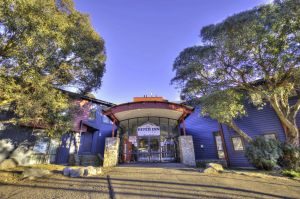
column 132, row 123
column 84, row 145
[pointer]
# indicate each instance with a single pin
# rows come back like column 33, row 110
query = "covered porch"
column 149, row 129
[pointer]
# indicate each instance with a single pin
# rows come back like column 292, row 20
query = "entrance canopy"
column 149, row 128
column 148, row 107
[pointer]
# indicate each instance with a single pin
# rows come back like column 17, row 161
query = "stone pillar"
column 111, row 152
column 186, row 150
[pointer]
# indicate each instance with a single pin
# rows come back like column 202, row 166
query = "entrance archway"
column 148, row 129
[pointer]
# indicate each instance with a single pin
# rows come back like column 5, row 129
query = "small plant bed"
column 51, row 167
column 16, row 174
column 291, row 173
column 12, row 175
column 285, row 174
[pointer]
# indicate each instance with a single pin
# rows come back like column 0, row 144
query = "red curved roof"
column 148, row 108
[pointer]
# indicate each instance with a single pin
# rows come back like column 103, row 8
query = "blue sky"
column 143, row 37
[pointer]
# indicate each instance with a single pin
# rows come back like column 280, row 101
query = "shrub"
column 263, row 154
column 290, row 157
column 291, row 173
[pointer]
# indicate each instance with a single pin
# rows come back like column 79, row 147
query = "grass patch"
column 14, row 175
column 50, row 167
column 291, row 173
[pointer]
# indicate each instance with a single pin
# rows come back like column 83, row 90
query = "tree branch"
column 295, row 108
column 239, row 131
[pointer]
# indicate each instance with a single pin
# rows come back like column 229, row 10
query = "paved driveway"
column 154, row 181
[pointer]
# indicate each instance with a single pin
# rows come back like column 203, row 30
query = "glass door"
column 143, row 149
column 168, row 150
column 154, row 149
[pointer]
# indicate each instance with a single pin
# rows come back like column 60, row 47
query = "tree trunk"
column 293, row 136
column 239, row 131
column 292, row 131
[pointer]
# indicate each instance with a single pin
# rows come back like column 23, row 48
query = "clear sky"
column 143, row 38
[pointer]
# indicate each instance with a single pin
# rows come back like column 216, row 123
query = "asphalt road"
column 153, row 181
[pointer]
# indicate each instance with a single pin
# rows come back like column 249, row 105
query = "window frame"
column 93, row 111
column 215, row 134
column 105, row 120
column 242, row 141
column 270, row 133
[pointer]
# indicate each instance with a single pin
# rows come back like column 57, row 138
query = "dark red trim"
column 148, row 104
column 183, row 125
column 113, row 129
column 224, row 144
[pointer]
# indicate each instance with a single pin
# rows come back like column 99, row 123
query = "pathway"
column 153, row 181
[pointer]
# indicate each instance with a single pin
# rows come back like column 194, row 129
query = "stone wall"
column 186, row 150
column 111, row 152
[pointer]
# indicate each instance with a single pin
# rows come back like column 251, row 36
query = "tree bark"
column 239, row 131
column 289, row 121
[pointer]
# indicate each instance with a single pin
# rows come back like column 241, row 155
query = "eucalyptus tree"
column 200, row 86
column 45, row 45
column 255, row 53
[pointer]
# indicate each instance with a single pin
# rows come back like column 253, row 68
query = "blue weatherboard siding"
column 99, row 139
column 86, row 141
column 97, row 132
column 256, row 123
column 298, row 115
column 202, row 128
column 64, row 149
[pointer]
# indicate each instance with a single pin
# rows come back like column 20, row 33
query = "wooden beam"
column 113, row 129
column 183, row 125
column 224, row 144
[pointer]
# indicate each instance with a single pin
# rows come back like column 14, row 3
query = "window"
column 133, row 123
column 106, row 120
column 41, row 146
column 93, row 109
column 173, row 127
column 164, row 126
column 219, row 144
column 2, row 127
column 237, row 143
column 269, row 136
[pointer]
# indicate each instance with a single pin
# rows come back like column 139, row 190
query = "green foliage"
column 291, row 173
column 223, row 105
column 45, row 45
column 190, row 70
column 290, row 158
column 53, row 39
column 256, row 52
column 263, row 154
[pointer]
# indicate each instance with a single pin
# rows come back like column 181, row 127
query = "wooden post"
column 113, row 129
column 224, row 144
column 80, row 132
column 183, row 125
